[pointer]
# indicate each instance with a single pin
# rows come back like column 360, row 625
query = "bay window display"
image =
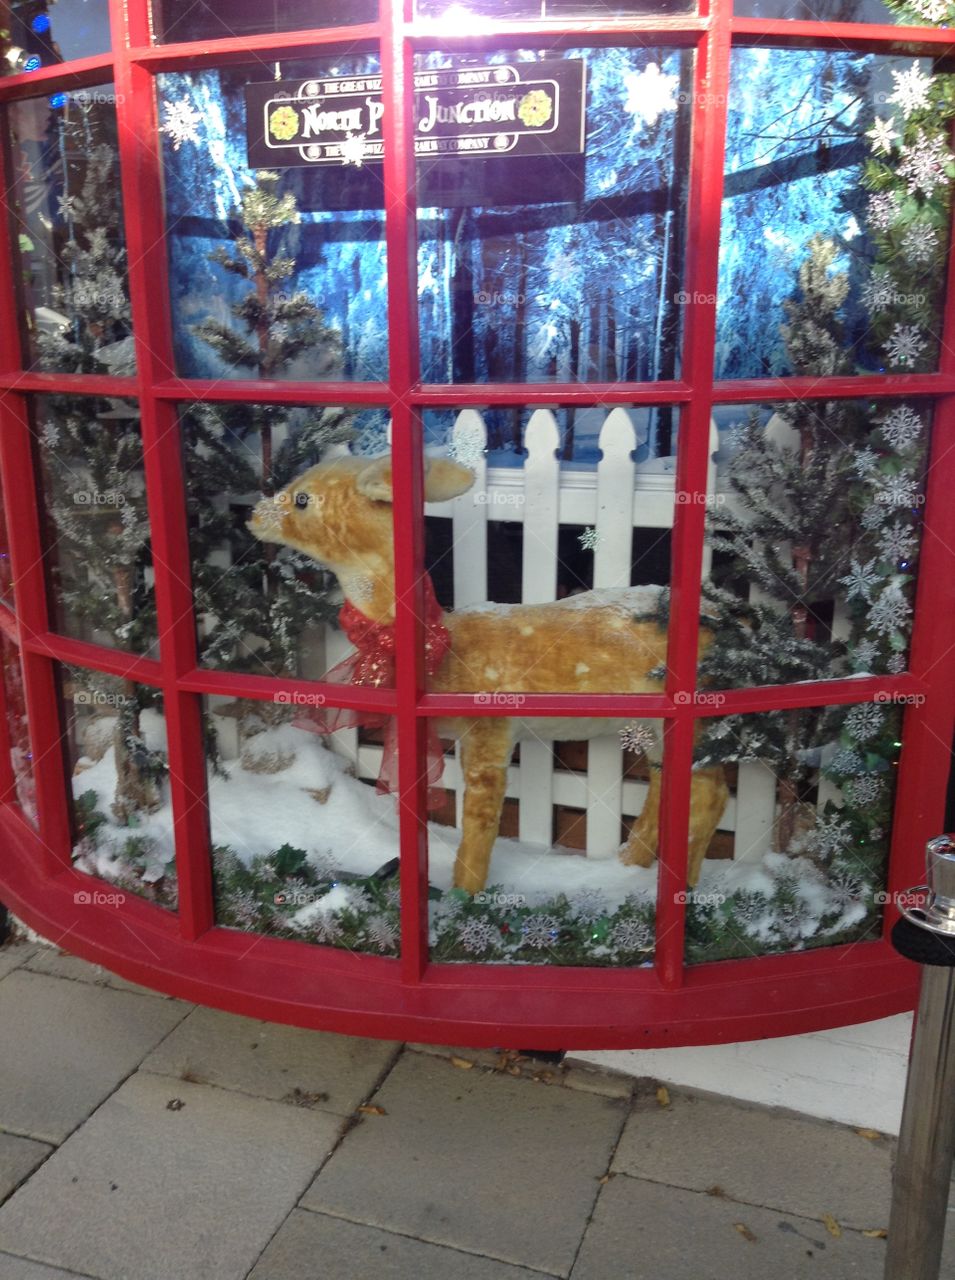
column 475, row 482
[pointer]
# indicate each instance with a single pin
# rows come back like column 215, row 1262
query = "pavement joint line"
column 628, row 1111
column 200, row 1083
column 439, row 1244
column 71, row 1271
column 752, row 1204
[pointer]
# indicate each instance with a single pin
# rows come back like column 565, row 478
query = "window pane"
column 68, row 217
column 801, row 855
column 18, row 730
column 116, row 752
column 457, row 16
column 581, row 282
column 303, row 844
column 918, row 13
column 813, row 541
column 45, row 32
column 270, row 278
column 836, row 214
column 96, row 526
column 181, row 20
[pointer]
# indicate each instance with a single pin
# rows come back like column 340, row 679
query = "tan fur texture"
column 339, row 513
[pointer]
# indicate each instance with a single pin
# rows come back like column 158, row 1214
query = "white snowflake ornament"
column 865, row 721
column 923, row 164
column 882, row 135
column 890, row 612
column 902, row 427
column 638, row 738
column 920, row 244
column 897, row 542
column 476, row 935
column 884, row 209
column 865, row 790
column 905, row 344
column 540, row 931
column 861, row 580
column 631, row 935
column 590, row 539
column 897, row 491
column 865, row 462
column 181, row 122
column 650, row 93
column 912, row 89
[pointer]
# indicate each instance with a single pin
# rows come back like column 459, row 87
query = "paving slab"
column 314, row 1068
column 169, row 1180
column 18, row 1157
column 23, row 1269
column 60, row 964
column 475, row 1160
column 647, row 1231
column 13, row 955
column 352, row 1252
column 67, row 1045
column 762, row 1157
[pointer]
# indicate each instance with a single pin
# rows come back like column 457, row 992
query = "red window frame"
column 186, row 953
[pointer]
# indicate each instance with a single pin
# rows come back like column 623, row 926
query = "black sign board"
column 521, row 109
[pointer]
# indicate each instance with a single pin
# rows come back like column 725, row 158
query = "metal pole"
column 923, row 1164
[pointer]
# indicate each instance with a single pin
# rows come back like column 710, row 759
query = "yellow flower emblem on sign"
column 536, row 107
column 283, row 123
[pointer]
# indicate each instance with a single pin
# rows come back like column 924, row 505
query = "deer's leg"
column 641, row 848
column 485, row 752
column 708, row 796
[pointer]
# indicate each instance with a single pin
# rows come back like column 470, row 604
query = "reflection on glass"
column 36, row 34
column 67, row 209
column 122, row 813
column 266, row 593
column 916, row 13
column 800, row 861
column 96, row 528
column 480, row 13
column 835, row 217
column 272, row 275
column 582, row 280
column 569, row 876
column 182, row 20
column 303, row 844
column 18, row 729
column 814, row 538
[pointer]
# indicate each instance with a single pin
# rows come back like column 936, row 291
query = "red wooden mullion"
column 711, row 90
column 265, row 47
column 397, row 65
column 79, row 74
column 149, row 295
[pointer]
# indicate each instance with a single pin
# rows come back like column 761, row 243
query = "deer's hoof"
column 637, row 854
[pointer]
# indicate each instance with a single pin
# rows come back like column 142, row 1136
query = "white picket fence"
column 613, row 500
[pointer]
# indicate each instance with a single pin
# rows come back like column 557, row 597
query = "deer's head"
column 339, row 513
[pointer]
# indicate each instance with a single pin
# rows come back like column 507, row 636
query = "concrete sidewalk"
column 146, row 1139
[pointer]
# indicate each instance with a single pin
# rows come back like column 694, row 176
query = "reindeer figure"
column 339, row 512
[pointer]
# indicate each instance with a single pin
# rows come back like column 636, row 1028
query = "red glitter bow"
column 373, row 663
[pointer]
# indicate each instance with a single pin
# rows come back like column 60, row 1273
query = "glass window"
column 813, row 541
column 583, row 281
column 96, row 526
column 18, row 729
column 917, row 13
column 67, row 213
column 457, row 16
column 304, row 846
column 116, row 752
column 807, row 829
column 274, row 273
column 182, row 20
column 43, row 33
column 835, row 214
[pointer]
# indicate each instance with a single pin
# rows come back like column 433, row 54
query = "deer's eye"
column 301, row 500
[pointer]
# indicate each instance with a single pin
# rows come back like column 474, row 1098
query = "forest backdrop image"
column 838, row 200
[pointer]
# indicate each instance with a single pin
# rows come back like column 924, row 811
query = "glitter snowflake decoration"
column 861, row 580
column 468, row 449
column 890, row 612
column 847, row 762
column 650, row 93
column 181, row 122
column 931, row 10
column 631, row 935
column 589, row 905
column 475, row 936
column 884, row 209
column 381, row 933
column 897, row 491
column 865, row 462
column 865, row 790
column 540, row 931
column 882, row 135
column 878, row 292
column 864, row 655
column 923, row 164
column 905, row 344
column 920, row 244
column 830, row 836
column 67, row 206
column 638, row 738
column 50, row 434
column 590, row 539
column 865, row 721
column 912, row 89
column 902, row 427
column 897, row 542
column 245, row 908
column 896, row 664
column 749, row 909
column 354, row 149
column 846, row 888
column 326, row 928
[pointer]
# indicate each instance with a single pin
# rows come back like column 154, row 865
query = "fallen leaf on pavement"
column 744, row 1231
column 368, row 1110
column 663, row 1096
column 831, row 1225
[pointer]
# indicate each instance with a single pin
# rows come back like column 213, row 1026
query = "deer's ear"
column 374, row 481
column 444, row 479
